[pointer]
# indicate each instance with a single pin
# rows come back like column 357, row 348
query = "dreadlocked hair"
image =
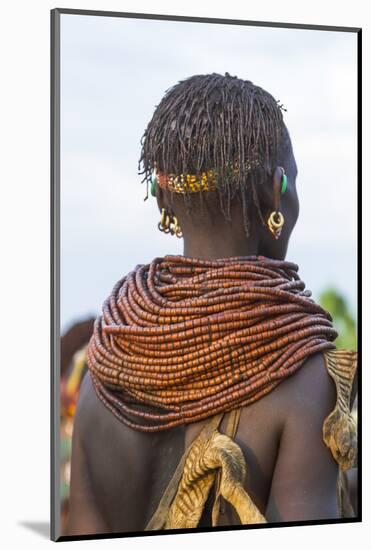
column 219, row 123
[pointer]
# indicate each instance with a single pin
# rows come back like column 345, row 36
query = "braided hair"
column 219, row 123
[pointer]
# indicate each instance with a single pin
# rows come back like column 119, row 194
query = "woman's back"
column 119, row 474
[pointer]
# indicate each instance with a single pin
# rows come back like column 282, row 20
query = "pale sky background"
column 115, row 71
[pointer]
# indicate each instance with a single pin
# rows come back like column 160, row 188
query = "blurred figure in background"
column 73, row 368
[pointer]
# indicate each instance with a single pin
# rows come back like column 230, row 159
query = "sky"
column 114, row 71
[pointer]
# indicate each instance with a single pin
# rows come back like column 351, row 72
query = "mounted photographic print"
column 205, row 304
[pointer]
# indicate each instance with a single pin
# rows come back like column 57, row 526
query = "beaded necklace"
column 181, row 339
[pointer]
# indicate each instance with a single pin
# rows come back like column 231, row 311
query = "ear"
column 286, row 203
column 278, row 179
column 270, row 193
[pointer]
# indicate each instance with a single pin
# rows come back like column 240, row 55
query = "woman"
column 210, row 396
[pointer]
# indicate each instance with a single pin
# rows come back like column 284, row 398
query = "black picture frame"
column 55, row 260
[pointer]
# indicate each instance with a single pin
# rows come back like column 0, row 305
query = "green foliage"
column 335, row 303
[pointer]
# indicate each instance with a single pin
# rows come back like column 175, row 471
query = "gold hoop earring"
column 176, row 229
column 169, row 224
column 164, row 223
column 275, row 223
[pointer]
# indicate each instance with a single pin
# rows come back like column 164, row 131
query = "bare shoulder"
column 307, row 395
column 102, row 433
column 310, row 391
column 94, row 423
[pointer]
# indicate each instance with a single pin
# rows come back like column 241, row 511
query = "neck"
column 210, row 245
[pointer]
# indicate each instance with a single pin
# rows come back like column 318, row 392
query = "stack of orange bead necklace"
column 190, row 338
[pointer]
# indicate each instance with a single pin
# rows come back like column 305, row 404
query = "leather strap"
column 233, row 418
column 158, row 519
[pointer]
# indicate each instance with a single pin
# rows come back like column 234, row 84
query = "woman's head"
column 230, row 133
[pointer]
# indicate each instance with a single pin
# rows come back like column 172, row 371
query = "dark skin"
column 118, row 475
